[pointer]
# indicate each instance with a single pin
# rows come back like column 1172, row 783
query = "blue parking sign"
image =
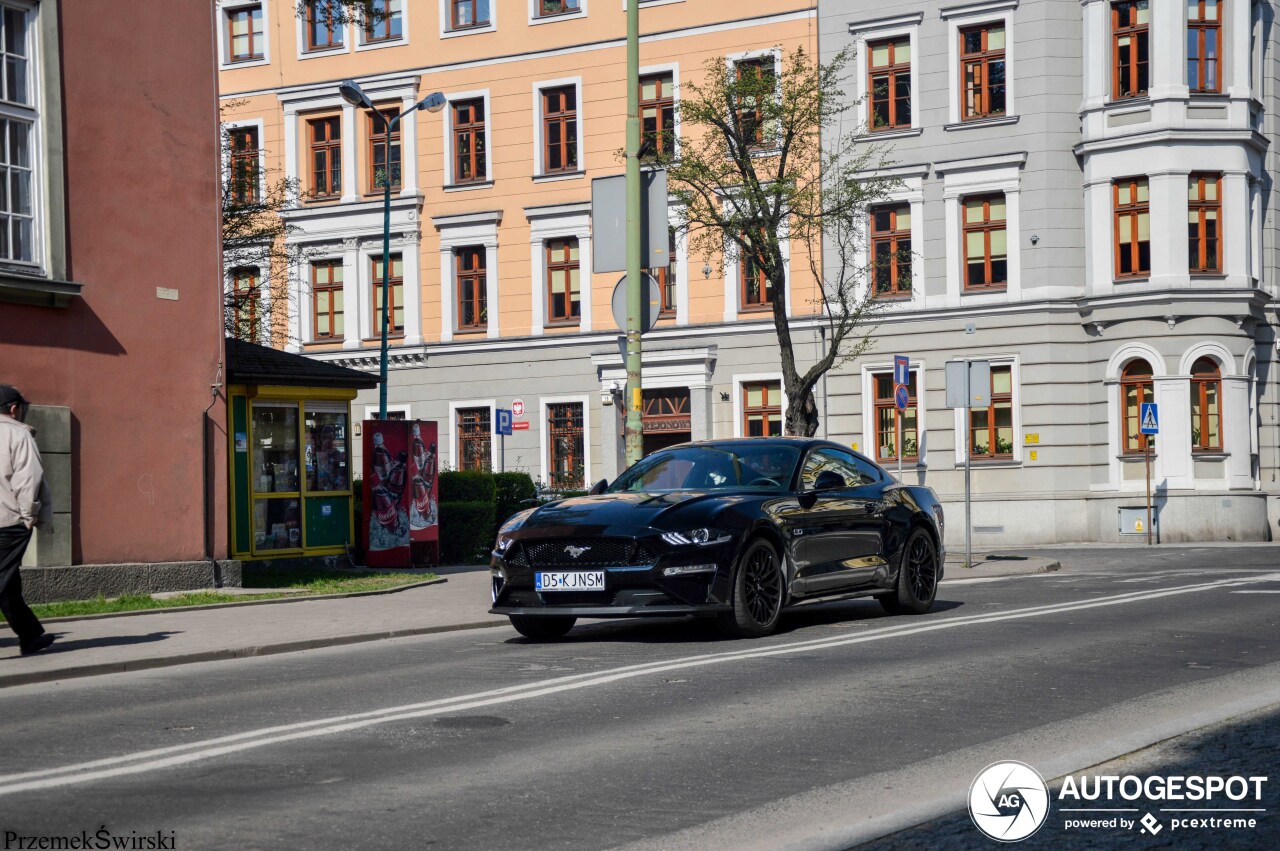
column 1150, row 418
column 502, row 425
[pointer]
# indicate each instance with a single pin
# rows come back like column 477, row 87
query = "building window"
column 757, row 79
column 986, row 242
column 991, row 428
column 887, row 416
column 551, row 8
column 1206, row 406
column 666, row 277
column 566, row 446
column 18, row 223
column 469, row 163
column 1130, row 51
column 469, row 264
column 475, row 439
column 245, row 40
column 326, row 299
column 396, row 288
column 378, row 160
column 762, row 409
column 889, row 83
column 383, row 21
column 891, row 250
column 658, row 116
column 1204, row 39
column 1136, row 388
column 245, row 304
column 1133, row 227
column 560, row 129
column 243, row 164
column 1204, row 223
column 982, row 71
column 326, row 157
column 563, row 284
column 757, row 289
column 464, row 14
column 323, row 22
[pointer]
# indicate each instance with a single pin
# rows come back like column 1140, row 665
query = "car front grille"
column 590, row 552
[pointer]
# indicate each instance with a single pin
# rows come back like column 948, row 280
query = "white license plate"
column 580, row 580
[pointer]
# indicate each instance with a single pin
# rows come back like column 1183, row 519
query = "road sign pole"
column 634, row 437
column 899, row 446
column 1146, row 452
column 502, row 452
column 968, row 524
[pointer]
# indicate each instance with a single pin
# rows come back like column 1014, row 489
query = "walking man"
column 24, row 504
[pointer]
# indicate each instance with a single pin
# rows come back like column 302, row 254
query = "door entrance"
column 666, row 420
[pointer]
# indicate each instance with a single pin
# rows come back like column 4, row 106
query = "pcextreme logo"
column 1008, row 801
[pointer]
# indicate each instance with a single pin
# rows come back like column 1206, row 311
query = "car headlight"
column 701, row 537
column 514, row 522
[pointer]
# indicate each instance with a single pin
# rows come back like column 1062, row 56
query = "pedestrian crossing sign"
column 1150, row 418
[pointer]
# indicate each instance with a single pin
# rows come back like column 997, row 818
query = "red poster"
column 424, row 499
column 386, row 497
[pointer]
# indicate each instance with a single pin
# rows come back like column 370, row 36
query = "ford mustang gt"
column 735, row 529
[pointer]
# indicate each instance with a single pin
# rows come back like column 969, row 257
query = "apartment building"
column 1087, row 192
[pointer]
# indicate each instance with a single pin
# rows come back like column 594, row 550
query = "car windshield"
column 755, row 467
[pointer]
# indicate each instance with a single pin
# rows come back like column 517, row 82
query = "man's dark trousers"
column 13, row 543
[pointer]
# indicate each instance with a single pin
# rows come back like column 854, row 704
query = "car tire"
column 917, row 584
column 759, row 591
column 542, row 628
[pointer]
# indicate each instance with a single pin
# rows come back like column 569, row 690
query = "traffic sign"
column 977, row 387
column 901, row 369
column 650, row 303
column 502, row 425
column 1150, row 418
column 901, row 397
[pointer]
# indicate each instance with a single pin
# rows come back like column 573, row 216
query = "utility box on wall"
column 1133, row 521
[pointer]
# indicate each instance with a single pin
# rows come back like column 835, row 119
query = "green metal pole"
column 386, row 264
column 634, row 400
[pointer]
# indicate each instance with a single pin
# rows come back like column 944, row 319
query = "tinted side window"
column 870, row 472
column 854, row 470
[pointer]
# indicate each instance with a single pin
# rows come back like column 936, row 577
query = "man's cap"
column 9, row 395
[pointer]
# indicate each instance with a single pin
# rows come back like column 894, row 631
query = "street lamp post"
column 354, row 95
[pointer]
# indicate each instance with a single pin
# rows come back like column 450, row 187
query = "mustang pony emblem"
column 575, row 552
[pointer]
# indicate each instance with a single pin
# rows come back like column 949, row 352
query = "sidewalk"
column 162, row 637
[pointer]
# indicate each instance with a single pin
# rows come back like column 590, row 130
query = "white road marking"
column 168, row 757
column 1259, row 591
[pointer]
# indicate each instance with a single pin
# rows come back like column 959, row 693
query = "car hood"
column 623, row 509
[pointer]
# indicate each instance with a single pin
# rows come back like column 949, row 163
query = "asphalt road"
column 845, row 726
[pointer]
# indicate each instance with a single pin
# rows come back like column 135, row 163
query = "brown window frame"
column 1198, row 68
column 982, row 60
column 1205, row 373
column 1198, row 259
column 246, row 297
column 455, row 5
column 377, row 141
column 1139, row 33
column 242, row 162
column 883, row 389
column 1134, row 210
column 333, row 27
column 566, row 118
column 763, row 411
column 661, row 138
column 394, row 283
column 475, row 275
column 371, row 25
column 573, row 315
column 567, row 445
column 540, row 8
column 667, row 277
column 475, row 439
column 256, row 52
column 995, row 399
column 890, row 72
column 330, row 147
column 746, row 266
column 894, row 238
column 331, row 285
column 471, row 129
column 986, row 227
column 1144, row 384
column 766, row 66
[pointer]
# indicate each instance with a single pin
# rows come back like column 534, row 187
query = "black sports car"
column 737, row 529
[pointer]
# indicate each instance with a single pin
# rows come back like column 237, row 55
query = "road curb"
column 10, row 680
column 299, row 598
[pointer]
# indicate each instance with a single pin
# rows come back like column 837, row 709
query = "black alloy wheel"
column 917, row 578
column 540, row 628
column 759, row 589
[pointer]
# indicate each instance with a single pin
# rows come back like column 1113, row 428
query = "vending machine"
column 401, row 496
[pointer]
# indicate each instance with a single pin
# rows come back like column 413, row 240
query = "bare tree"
column 764, row 161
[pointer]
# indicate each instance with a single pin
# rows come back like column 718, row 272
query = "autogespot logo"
column 1008, row 801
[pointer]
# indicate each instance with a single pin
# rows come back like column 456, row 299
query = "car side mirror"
column 598, row 487
column 829, row 480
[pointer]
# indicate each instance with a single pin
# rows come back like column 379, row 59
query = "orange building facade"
column 493, row 301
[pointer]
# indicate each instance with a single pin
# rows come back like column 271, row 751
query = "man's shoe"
column 37, row 645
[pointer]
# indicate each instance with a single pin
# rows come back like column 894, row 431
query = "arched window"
column 1135, row 388
column 1206, row 406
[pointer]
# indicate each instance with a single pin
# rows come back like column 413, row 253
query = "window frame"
column 880, row 403
column 892, row 70
column 478, row 131
column 1201, row 207
column 537, row 15
column 549, row 413
column 566, row 265
column 986, row 227
column 1145, row 385
column 1201, row 26
column 332, row 148
column 478, row 277
column 367, row 39
column 451, row 21
column 746, row 265
column 746, row 412
column 1134, row 210
column 229, row 57
column 250, row 295
column 375, row 295
column 331, row 287
column 31, row 116
column 481, row 432
column 893, row 237
column 665, row 139
column 564, row 118
column 983, row 58
column 1135, row 64
column 309, row 44
column 247, row 157
column 668, row 277
column 994, row 399
column 1201, row 380
column 376, row 140
column 768, row 59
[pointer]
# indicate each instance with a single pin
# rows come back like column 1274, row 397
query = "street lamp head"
column 433, row 102
column 353, row 94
